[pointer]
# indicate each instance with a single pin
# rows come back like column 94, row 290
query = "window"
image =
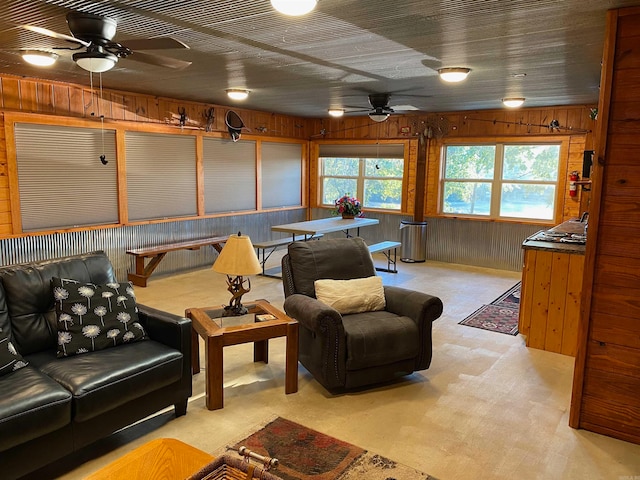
column 281, row 175
column 372, row 173
column 501, row 180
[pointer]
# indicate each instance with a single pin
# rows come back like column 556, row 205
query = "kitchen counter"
column 551, row 289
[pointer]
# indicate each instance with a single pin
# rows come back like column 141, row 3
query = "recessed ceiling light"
column 453, row 74
column 39, row 58
column 237, row 94
column 513, row 102
column 336, row 112
column 294, row 7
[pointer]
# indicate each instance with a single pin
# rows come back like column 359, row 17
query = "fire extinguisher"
column 573, row 187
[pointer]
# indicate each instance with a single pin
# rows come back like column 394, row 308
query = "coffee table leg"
column 261, row 351
column 213, row 353
column 195, row 352
column 291, row 367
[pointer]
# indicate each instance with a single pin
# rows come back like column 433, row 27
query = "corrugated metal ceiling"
column 340, row 52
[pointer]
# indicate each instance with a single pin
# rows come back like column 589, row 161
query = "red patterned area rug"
column 500, row 316
column 306, row 454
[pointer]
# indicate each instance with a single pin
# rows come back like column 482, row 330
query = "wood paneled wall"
column 606, row 383
column 67, row 101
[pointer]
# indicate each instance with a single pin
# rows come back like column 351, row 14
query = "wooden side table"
column 217, row 337
column 165, row 458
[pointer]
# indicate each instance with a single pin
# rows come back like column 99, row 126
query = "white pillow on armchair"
column 352, row 296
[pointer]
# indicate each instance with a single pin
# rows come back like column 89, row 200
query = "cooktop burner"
column 559, row 237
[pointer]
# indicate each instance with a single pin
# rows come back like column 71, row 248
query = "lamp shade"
column 238, row 258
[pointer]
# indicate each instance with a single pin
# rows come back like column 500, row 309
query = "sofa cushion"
column 94, row 317
column 379, row 338
column 104, row 380
column 10, row 359
column 26, row 295
column 314, row 260
column 352, row 296
column 31, row 405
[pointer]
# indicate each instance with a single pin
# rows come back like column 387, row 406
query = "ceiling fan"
column 95, row 33
column 380, row 108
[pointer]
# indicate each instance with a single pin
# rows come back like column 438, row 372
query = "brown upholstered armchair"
column 349, row 351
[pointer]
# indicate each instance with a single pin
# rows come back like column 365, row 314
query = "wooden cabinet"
column 606, row 386
column 550, row 298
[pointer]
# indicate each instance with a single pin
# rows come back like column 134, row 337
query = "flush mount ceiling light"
column 454, row 74
column 378, row 117
column 512, row 102
column 294, row 7
column 39, row 58
column 95, row 59
column 336, row 112
column 237, row 94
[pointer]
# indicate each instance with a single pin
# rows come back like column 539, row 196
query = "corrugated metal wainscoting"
column 468, row 242
column 115, row 241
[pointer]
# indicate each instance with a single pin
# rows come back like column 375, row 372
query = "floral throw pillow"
column 94, row 317
column 10, row 359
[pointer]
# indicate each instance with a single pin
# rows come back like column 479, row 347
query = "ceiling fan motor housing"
column 379, row 100
column 91, row 28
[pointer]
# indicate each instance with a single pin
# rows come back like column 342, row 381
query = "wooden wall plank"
column 573, row 302
column 557, row 302
column 540, row 300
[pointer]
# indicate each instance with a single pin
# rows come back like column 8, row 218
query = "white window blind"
column 229, row 175
column 369, row 150
column 62, row 181
column 161, row 175
column 281, row 174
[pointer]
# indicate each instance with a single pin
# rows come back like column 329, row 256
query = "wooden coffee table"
column 165, row 458
column 217, row 337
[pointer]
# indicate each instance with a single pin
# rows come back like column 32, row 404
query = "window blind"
column 370, row 150
column 61, row 179
column 281, row 174
column 161, row 175
column 229, row 175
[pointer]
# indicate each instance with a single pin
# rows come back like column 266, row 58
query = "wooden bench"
column 386, row 247
column 157, row 252
column 272, row 246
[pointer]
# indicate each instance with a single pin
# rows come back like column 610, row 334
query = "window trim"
column 562, row 140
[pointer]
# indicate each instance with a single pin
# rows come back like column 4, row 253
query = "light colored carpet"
column 488, row 408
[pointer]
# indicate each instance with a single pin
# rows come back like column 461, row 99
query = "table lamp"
column 236, row 260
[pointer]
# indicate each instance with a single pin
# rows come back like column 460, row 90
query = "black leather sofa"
column 55, row 406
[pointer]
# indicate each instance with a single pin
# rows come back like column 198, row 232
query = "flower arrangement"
column 348, row 206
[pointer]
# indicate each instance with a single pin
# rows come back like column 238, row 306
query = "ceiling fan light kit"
column 39, row 58
column 378, row 117
column 453, row 74
column 237, row 94
column 513, row 102
column 294, row 7
column 336, row 112
column 95, row 60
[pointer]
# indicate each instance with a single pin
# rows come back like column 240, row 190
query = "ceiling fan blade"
column 159, row 43
column 404, row 107
column 158, row 60
column 51, row 33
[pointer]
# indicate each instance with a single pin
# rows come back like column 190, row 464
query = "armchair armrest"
column 167, row 328
column 311, row 313
column 409, row 303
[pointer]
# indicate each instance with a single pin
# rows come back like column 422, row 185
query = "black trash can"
column 413, row 236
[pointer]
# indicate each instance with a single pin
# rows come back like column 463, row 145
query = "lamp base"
column 234, row 310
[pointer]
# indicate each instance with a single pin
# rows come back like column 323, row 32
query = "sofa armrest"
column 167, row 328
column 409, row 303
column 310, row 312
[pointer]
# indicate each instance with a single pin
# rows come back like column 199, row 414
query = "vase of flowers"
column 348, row 207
